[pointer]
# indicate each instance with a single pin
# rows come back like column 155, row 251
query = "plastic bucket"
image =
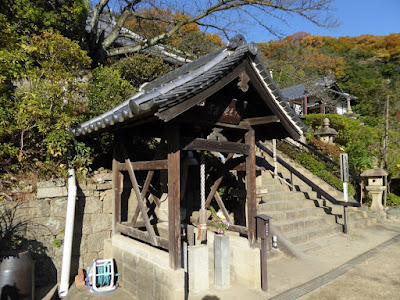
column 17, row 279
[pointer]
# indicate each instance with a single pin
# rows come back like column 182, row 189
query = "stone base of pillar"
column 198, row 268
column 376, row 193
column 222, row 268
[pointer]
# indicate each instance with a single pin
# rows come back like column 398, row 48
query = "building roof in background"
column 188, row 81
column 325, row 84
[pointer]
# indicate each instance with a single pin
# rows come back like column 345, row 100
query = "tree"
column 225, row 17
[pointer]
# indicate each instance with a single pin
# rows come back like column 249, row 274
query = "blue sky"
column 357, row 17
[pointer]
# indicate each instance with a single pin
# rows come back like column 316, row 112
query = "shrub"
column 392, row 200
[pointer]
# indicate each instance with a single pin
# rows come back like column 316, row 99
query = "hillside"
column 48, row 81
column 366, row 66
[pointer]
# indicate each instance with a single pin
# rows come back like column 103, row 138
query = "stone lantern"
column 326, row 133
column 375, row 187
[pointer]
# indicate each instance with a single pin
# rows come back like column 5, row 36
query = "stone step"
column 357, row 214
column 300, row 225
column 360, row 223
column 302, row 187
column 306, row 235
column 270, row 181
column 295, row 214
column 272, row 188
column 286, row 174
column 321, row 243
column 279, row 205
column 286, row 196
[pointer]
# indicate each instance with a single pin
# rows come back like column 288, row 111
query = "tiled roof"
column 189, row 80
column 320, row 85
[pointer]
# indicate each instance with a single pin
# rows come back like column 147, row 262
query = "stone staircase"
column 302, row 218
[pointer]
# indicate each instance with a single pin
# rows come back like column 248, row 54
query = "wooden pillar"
column 251, row 187
column 174, row 222
column 116, row 186
column 305, row 105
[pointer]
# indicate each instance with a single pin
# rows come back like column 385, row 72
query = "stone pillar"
column 222, row 268
column 198, row 268
column 349, row 110
column 375, row 187
column 376, row 194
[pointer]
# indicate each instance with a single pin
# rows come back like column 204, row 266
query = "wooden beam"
column 141, row 235
column 238, row 228
column 260, row 120
column 213, row 190
column 141, row 204
column 116, row 188
column 170, row 113
column 217, row 146
column 191, row 120
column 222, row 207
column 234, row 228
column 155, row 199
column 174, row 161
column 145, row 165
column 145, row 188
column 251, row 187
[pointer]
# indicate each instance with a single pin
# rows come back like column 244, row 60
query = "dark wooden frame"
column 175, row 144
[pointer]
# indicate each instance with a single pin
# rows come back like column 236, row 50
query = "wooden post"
column 305, row 105
column 174, row 160
column 116, row 187
column 140, row 202
column 251, row 187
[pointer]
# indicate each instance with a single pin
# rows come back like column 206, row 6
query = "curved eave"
column 271, row 87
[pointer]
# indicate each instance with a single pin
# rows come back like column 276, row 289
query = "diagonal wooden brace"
column 146, row 186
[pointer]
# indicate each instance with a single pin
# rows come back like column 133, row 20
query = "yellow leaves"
column 215, row 39
column 29, row 48
column 19, row 156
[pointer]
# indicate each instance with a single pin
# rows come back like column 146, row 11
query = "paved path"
column 365, row 264
column 378, row 277
column 353, row 286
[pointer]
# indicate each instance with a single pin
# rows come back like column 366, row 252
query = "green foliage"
column 56, row 243
column 329, row 173
column 141, row 68
column 366, row 66
column 46, row 98
column 32, row 16
column 360, row 142
column 393, row 200
column 107, row 89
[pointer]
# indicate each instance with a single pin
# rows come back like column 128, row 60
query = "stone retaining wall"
column 43, row 222
column 144, row 270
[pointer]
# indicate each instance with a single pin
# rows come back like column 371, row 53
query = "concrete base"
column 198, row 268
column 145, row 271
column 245, row 263
column 222, row 265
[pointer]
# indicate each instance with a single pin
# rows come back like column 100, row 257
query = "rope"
column 203, row 224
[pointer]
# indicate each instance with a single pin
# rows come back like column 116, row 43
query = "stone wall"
column 43, row 222
column 144, row 270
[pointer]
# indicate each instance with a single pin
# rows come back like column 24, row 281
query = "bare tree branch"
column 120, row 22
column 210, row 14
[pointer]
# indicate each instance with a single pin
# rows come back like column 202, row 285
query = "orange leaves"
column 392, row 44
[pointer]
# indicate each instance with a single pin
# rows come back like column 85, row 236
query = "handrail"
column 281, row 179
column 357, row 178
column 308, row 181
